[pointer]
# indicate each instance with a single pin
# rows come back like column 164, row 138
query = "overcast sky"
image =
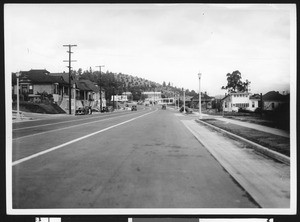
column 170, row 43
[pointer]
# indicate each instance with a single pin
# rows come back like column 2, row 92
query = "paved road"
column 142, row 159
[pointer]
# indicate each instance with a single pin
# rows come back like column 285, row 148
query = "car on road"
column 84, row 110
column 187, row 110
column 104, row 109
column 133, row 108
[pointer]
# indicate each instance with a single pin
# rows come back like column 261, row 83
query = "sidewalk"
column 266, row 129
column 28, row 116
column 266, row 180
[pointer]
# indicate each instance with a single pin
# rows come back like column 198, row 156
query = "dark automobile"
column 84, row 110
column 164, row 106
column 187, row 110
column 104, row 109
column 133, row 108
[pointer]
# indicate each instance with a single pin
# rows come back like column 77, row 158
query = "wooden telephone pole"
column 100, row 87
column 69, row 66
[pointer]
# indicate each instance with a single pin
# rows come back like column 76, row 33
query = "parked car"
column 104, row 109
column 84, row 110
column 133, row 108
column 187, row 110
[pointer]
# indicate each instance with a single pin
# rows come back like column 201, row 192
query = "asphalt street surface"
column 130, row 159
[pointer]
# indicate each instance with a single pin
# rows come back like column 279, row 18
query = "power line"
column 69, row 66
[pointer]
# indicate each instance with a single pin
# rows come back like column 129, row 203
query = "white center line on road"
column 76, row 140
column 67, row 121
column 68, row 127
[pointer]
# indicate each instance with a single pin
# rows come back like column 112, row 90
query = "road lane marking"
column 75, row 140
column 68, row 127
column 67, row 121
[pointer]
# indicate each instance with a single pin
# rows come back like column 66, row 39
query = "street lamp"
column 199, row 75
column 18, row 99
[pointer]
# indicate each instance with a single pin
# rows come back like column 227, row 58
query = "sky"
column 158, row 42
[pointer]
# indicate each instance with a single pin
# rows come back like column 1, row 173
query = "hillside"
column 114, row 83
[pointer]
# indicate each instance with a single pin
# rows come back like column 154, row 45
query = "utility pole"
column 18, row 96
column 183, row 100
column 261, row 105
column 69, row 66
column 100, row 87
column 199, row 76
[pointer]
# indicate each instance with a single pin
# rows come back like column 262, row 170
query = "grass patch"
column 277, row 143
column 271, row 119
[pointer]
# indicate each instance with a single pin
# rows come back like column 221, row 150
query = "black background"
column 110, row 218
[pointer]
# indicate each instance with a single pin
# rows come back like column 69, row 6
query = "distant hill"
column 117, row 83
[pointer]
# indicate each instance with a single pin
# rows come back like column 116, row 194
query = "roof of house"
column 86, row 85
column 65, row 76
column 151, row 93
column 187, row 98
column 255, row 96
column 234, row 93
column 37, row 76
column 204, row 97
column 275, row 96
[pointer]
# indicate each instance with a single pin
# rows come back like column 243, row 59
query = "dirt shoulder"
column 274, row 142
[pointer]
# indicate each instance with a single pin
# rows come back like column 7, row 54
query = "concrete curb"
column 266, row 151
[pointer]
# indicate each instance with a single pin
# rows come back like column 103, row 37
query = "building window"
column 253, row 104
column 55, row 89
column 30, row 91
column 24, row 89
column 242, row 105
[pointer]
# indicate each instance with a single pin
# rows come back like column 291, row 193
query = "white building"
column 119, row 98
column 235, row 100
column 153, row 97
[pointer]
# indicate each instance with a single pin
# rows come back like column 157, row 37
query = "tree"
column 79, row 72
column 234, row 82
column 143, row 97
column 193, row 93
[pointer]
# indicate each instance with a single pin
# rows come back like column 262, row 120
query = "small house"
column 273, row 100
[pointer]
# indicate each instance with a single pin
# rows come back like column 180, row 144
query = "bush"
column 244, row 110
column 257, row 110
